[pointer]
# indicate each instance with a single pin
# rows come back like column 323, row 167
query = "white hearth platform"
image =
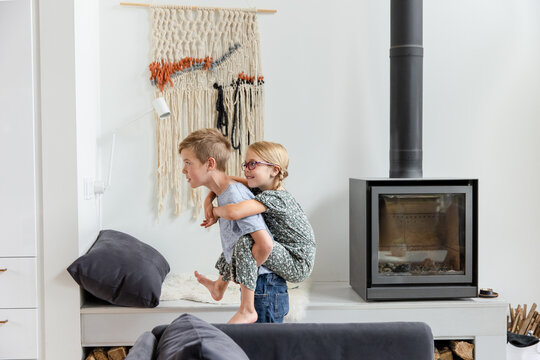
column 480, row 320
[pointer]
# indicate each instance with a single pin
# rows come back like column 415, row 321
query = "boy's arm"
column 209, row 218
column 209, row 198
column 262, row 246
column 239, row 210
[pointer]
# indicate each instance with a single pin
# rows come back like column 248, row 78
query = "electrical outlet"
column 88, row 188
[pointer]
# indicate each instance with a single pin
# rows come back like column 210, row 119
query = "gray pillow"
column 143, row 349
column 189, row 337
column 121, row 270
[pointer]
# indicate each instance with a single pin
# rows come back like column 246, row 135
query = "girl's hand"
column 210, row 219
column 209, row 222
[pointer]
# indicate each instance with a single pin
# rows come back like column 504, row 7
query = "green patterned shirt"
column 288, row 222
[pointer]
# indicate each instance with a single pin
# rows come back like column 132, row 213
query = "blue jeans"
column 271, row 298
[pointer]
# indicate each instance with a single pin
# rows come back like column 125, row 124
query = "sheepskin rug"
column 184, row 286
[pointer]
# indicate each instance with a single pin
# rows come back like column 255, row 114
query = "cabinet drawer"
column 18, row 283
column 18, row 336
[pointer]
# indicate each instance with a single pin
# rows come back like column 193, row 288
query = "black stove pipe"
column 406, row 57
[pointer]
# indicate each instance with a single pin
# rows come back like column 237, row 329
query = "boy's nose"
column 184, row 171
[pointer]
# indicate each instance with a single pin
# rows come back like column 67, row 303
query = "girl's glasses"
column 251, row 165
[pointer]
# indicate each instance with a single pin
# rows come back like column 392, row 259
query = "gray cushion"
column 189, row 337
column 143, row 349
column 121, row 270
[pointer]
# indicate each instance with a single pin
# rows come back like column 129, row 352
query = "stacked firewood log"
column 454, row 350
column 116, row 353
column 522, row 322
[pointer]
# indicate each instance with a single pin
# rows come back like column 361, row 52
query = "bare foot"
column 243, row 317
column 217, row 288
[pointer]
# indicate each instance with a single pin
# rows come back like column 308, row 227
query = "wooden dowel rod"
column 134, row 4
column 264, row 11
column 267, row 11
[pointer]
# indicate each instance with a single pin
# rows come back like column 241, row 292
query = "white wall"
column 326, row 68
column 481, row 92
column 87, row 76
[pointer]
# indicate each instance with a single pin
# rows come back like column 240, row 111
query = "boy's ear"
column 211, row 163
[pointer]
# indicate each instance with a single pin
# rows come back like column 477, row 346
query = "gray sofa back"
column 380, row 341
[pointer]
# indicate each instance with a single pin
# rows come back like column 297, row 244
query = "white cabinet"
column 18, row 283
column 18, row 206
column 18, row 336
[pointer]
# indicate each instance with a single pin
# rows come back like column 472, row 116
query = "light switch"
column 88, row 188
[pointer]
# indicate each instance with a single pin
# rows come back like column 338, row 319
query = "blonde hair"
column 273, row 153
column 206, row 144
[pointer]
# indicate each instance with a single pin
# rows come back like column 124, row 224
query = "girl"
column 265, row 168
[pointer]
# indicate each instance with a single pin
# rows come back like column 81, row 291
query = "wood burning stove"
column 413, row 238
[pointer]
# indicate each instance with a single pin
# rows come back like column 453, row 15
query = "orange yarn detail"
column 250, row 79
column 161, row 71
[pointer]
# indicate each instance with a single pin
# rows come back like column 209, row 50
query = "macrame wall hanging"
column 207, row 66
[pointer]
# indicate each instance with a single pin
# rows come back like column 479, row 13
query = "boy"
column 204, row 155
